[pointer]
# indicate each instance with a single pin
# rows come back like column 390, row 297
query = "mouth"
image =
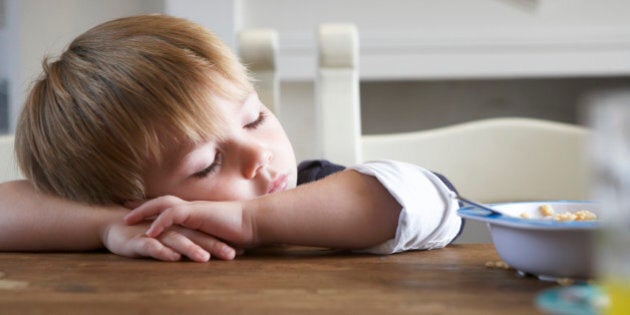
column 278, row 184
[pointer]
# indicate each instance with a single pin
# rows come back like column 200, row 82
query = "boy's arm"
column 30, row 220
column 33, row 221
column 345, row 210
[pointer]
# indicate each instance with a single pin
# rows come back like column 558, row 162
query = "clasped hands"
column 196, row 229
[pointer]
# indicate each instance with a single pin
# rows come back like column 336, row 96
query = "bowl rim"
column 474, row 213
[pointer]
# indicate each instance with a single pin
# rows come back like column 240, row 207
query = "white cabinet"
column 429, row 39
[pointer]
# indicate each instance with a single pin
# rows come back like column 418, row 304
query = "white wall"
column 7, row 38
column 3, row 66
column 36, row 28
column 221, row 16
column 3, row 39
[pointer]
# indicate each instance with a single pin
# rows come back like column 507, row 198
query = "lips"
column 278, row 184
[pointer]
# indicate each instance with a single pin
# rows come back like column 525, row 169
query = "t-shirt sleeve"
column 428, row 218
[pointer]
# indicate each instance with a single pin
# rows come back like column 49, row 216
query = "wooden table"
column 453, row 280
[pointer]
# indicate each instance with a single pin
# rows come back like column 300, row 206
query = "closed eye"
column 212, row 168
column 262, row 116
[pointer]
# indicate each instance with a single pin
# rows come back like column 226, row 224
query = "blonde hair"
column 97, row 114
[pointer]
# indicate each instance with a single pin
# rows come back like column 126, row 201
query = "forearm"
column 345, row 210
column 33, row 221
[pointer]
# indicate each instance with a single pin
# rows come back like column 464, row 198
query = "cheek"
column 281, row 141
column 227, row 190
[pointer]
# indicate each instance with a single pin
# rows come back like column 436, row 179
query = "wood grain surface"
column 281, row 280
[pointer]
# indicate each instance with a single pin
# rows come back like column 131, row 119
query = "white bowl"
column 539, row 246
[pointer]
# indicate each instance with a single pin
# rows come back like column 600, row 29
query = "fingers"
column 168, row 218
column 174, row 243
column 150, row 247
column 183, row 245
column 197, row 246
column 151, row 208
column 214, row 246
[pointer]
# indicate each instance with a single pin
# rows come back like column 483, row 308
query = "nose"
column 255, row 158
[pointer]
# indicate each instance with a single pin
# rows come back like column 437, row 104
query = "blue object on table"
column 581, row 299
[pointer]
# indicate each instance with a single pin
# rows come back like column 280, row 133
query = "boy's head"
column 116, row 97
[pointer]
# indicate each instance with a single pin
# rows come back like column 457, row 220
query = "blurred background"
column 423, row 63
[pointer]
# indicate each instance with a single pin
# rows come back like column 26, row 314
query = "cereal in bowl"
column 581, row 215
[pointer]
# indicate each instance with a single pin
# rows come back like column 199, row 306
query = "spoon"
column 478, row 205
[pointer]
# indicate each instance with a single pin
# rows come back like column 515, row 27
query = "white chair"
column 493, row 160
column 496, row 160
column 337, row 98
column 8, row 165
column 258, row 49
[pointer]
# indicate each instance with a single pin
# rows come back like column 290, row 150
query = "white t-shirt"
column 428, row 218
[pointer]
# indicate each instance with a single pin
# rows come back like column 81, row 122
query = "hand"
column 225, row 220
column 131, row 241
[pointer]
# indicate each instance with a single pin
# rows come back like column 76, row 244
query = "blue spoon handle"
column 478, row 205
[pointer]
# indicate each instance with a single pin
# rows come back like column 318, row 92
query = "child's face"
column 254, row 158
